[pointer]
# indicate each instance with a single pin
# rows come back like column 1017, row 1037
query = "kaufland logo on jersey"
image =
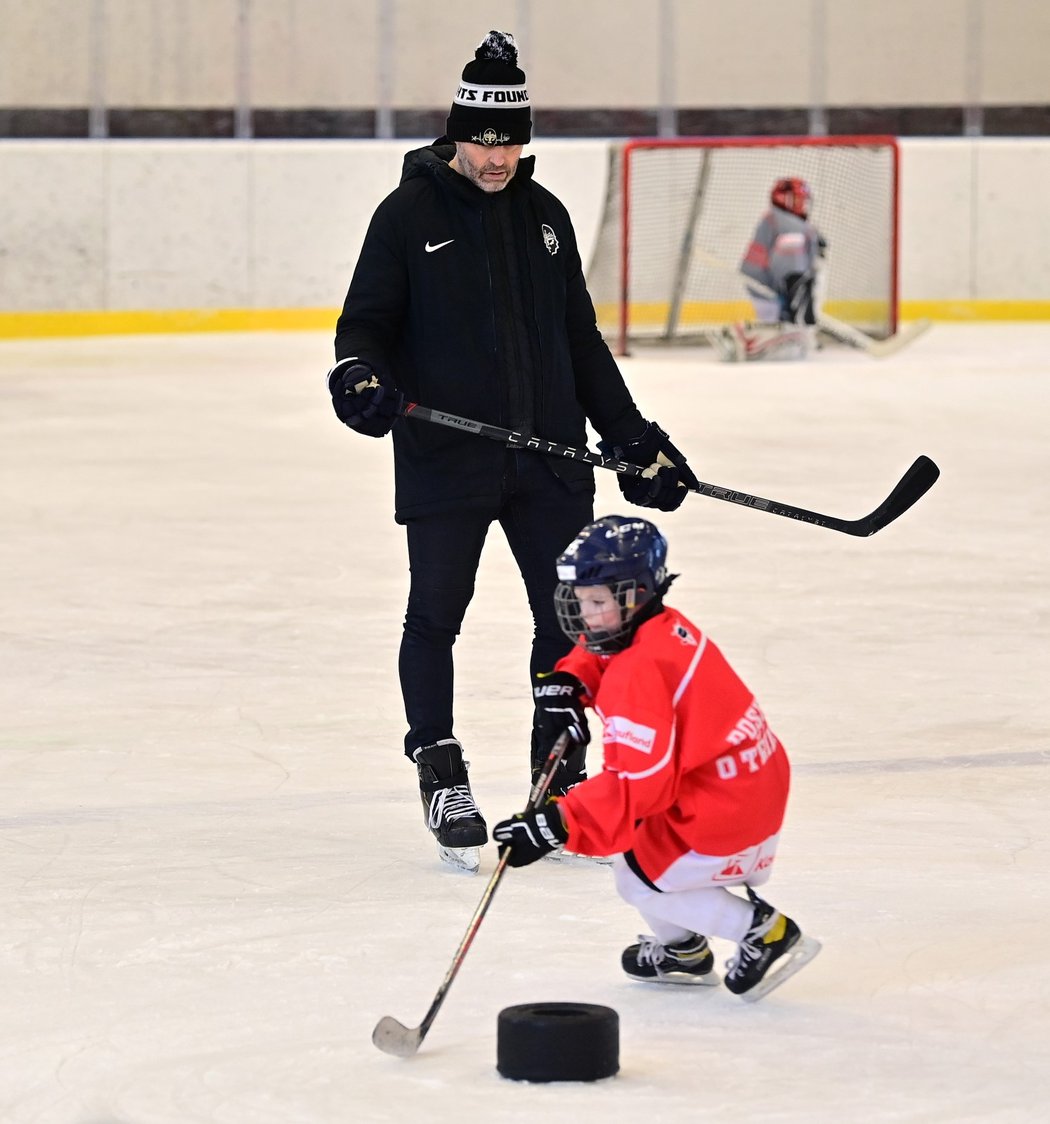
column 633, row 735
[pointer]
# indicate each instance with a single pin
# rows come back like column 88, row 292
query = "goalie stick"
column 877, row 349
column 393, row 1037
column 912, row 486
column 837, row 329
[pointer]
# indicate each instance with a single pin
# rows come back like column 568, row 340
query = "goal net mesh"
column 691, row 207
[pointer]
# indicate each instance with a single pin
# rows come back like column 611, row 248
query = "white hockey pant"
column 694, row 897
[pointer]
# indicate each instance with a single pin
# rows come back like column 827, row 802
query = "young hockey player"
column 692, row 794
column 780, row 267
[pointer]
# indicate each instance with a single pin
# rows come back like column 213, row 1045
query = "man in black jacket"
column 469, row 297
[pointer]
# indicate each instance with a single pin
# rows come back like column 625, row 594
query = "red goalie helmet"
column 792, row 194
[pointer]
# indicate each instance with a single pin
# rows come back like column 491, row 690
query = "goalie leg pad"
column 754, row 342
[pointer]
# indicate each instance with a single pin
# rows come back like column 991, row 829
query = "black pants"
column 540, row 517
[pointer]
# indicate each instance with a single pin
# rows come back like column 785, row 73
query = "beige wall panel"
column 45, row 53
column 896, row 52
column 312, row 202
column 936, row 219
column 179, row 222
column 575, row 170
column 316, row 53
column 593, row 53
column 581, row 53
column 1015, row 52
column 434, row 41
column 171, row 53
column 167, row 225
column 52, row 230
column 722, row 59
column 1012, row 231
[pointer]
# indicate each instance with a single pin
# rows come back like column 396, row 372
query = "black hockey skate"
column 689, row 961
column 449, row 810
column 772, row 951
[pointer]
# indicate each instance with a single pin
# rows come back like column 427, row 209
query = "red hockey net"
column 679, row 215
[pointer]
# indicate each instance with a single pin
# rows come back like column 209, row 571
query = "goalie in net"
column 781, row 268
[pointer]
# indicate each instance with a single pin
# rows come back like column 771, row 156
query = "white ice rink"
column 214, row 873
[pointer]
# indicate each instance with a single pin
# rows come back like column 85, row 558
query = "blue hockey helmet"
column 630, row 557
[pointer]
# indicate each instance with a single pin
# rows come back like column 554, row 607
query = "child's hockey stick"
column 393, row 1037
column 912, row 486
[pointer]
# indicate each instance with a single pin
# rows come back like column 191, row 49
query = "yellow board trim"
column 975, row 310
column 30, row 325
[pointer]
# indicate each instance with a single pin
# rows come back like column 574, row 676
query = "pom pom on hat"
column 491, row 105
column 499, row 46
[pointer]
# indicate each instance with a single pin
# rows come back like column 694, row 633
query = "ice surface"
column 214, row 873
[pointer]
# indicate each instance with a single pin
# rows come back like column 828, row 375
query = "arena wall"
column 127, row 236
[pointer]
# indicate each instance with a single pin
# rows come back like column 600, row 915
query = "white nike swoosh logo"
column 430, row 249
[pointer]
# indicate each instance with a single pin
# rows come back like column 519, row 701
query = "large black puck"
column 558, row 1042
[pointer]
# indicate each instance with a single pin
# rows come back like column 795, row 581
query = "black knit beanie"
column 491, row 106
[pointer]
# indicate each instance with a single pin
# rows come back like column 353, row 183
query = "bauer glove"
column 559, row 709
column 363, row 399
column 530, row 835
column 652, row 449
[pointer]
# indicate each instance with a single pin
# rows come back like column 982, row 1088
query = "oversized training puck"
column 557, row 1042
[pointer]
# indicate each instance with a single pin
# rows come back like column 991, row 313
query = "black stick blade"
column 913, row 485
column 392, row 1037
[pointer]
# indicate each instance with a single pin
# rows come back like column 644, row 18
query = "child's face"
column 598, row 607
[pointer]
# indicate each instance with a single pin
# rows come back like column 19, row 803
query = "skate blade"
column 572, row 857
column 467, row 859
column 683, row 979
column 794, row 960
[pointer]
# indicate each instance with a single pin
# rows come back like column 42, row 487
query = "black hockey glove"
column 559, row 709
column 530, row 835
column 366, row 401
column 653, row 449
column 799, row 299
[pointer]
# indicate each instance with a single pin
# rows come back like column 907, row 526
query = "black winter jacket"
column 430, row 305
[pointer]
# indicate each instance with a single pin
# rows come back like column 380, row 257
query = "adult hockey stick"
column 912, row 486
column 393, row 1037
column 837, row 329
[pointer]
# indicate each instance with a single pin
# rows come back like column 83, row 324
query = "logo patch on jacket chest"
column 550, row 239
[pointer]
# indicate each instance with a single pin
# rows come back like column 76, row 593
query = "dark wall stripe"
column 325, row 122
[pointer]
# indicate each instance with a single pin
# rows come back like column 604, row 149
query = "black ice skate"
column 689, row 961
column 449, row 810
column 772, row 951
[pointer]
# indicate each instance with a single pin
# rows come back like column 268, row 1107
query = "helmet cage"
column 629, row 596
column 629, row 558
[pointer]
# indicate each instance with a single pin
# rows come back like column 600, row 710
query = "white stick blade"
column 393, row 1038
column 902, row 338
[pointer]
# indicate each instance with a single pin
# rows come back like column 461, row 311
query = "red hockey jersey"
column 689, row 761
